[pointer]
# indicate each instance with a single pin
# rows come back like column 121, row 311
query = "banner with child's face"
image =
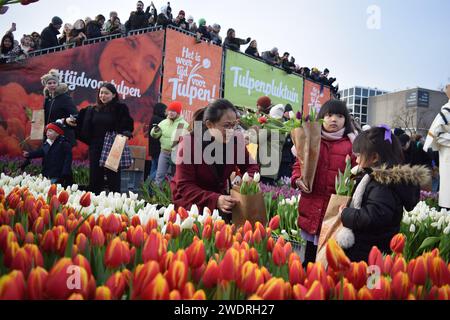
column 192, row 72
column 247, row 79
column 133, row 64
column 315, row 95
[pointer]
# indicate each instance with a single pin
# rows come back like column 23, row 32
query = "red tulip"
column 103, row 293
column 336, row 257
column 174, row 295
column 85, row 200
column 315, row 272
column 52, row 191
column 59, row 220
column 61, row 243
column 137, row 237
column 272, row 290
column 38, row 226
column 188, row 291
column 143, row 275
column 419, row 273
column 438, row 272
column 63, row 197
column 197, row 274
column 224, row 238
column 157, row 289
column 382, row 290
column 299, row 292
column 398, row 243
column 173, row 230
column 35, row 254
column 278, row 255
column 21, row 261
column 117, row 284
column 229, row 266
column 166, row 261
column 36, row 283
column 400, row 286
column 256, row 237
column 262, row 120
column 97, row 237
column 348, row 292
column 12, row 286
column 296, row 273
column 365, row 294
column 76, row 296
column 117, row 253
column 81, row 261
column 177, row 275
column 316, row 292
column 250, row 277
column 65, row 279
column 48, row 242
column 112, row 224
column 207, row 232
column 270, row 244
column 253, row 255
column 19, row 231
column 211, row 274
column 357, row 274
column 154, row 248
column 399, row 266
column 81, row 242
column 85, row 229
column 388, row 264
column 6, row 236
column 29, row 238
column 199, row 295
column 196, row 254
column 274, row 223
column 182, row 213
column 376, row 258
column 260, row 227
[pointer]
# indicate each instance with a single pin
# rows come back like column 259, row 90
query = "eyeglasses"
column 229, row 125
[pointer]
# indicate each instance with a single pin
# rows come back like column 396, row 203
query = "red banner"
column 314, row 96
column 192, row 72
column 132, row 64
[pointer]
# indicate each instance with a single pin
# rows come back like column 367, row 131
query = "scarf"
column 334, row 136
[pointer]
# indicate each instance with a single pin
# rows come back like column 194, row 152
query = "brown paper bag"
column 37, row 125
column 113, row 160
column 307, row 143
column 330, row 226
column 251, row 208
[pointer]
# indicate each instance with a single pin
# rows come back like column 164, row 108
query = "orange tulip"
column 75, row 296
column 382, row 290
column 19, row 231
column 256, row 237
column 438, row 272
column 199, row 295
column 12, row 286
column 157, row 289
column 315, row 272
column 196, row 254
column 250, row 278
column 260, row 227
column 64, row 279
column 224, row 238
column 85, row 229
column 137, row 237
column 248, row 236
column 154, row 248
column 59, row 220
column 48, row 242
column 207, row 232
column 166, row 261
column 52, row 191
column 278, row 255
column 400, row 286
column 177, row 275
column 81, row 261
column 419, row 274
column 388, row 264
column 299, row 292
column 348, row 292
column 253, row 255
column 365, row 294
column 173, row 230
column 296, row 273
column 211, row 274
column 85, row 200
column 174, row 295
column 315, row 292
column 398, row 243
column 274, row 223
column 399, row 266
column 272, row 290
column 112, row 224
column 188, row 291
column 117, row 253
column 54, row 205
column 336, row 257
column 117, row 284
column 36, row 283
column 247, row 227
column 97, row 237
column 229, row 266
column 81, row 242
column 143, row 275
column 103, row 293
column 357, row 274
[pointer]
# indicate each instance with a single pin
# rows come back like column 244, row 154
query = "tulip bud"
column 12, row 286
column 272, row 290
column 85, row 200
column 196, row 254
column 103, row 293
column 229, row 266
column 36, row 283
column 256, row 177
column 224, row 238
column 211, row 274
column 177, row 275
column 419, row 273
column 157, row 289
column 274, row 223
column 296, row 273
column 117, row 284
column 246, row 178
column 143, row 275
column 52, row 191
column 336, row 257
column 398, row 243
column 400, row 286
column 154, row 248
column 117, row 253
column 97, row 237
column 278, row 255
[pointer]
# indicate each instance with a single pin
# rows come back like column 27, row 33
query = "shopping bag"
column 37, row 125
column 116, row 152
column 307, row 144
column 251, row 208
column 331, row 225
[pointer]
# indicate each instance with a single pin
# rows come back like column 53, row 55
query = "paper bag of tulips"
column 332, row 223
column 250, row 200
column 306, row 139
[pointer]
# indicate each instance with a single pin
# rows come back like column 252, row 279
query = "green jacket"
column 168, row 134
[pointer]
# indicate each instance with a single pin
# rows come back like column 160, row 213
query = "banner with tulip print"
column 132, row 64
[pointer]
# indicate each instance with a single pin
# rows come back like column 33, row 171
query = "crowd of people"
column 83, row 29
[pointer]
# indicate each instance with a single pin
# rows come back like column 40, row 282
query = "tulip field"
column 66, row 244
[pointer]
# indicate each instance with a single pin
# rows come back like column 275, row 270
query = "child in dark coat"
column 387, row 188
column 57, row 155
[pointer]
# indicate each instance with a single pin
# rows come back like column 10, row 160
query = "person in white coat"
column 439, row 140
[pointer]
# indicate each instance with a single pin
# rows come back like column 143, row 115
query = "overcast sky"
column 387, row 44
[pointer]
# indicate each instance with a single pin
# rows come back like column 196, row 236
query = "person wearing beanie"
column 263, row 104
column 191, row 24
column 164, row 19
column 56, row 153
column 180, row 21
column 202, row 32
column 169, row 132
column 58, row 104
column 49, row 36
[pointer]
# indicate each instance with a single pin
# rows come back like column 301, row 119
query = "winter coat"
column 168, row 131
column 57, row 158
column 389, row 191
column 235, row 43
column 201, row 184
column 312, row 207
column 93, row 30
column 216, row 38
column 269, row 58
column 163, row 20
column 61, row 106
column 252, row 52
column 415, row 156
column 123, row 122
column 49, row 37
column 154, row 148
column 137, row 20
column 204, row 32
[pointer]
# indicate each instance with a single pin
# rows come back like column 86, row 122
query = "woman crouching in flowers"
column 208, row 156
column 386, row 187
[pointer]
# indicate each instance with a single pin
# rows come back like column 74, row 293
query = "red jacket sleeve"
column 296, row 173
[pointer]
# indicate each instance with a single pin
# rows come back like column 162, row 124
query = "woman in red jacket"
column 207, row 157
column 336, row 144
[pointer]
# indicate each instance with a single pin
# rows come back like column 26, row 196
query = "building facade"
column 412, row 110
column 357, row 99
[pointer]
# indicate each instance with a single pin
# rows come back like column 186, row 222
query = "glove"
column 249, row 39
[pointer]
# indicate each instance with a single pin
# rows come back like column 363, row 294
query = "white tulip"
column 246, row 177
column 447, row 230
column 412, row 228
column 194, row 211
column 257, row 177
column 291, row 115
column 187, row 224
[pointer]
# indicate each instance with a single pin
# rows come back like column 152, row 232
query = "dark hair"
column 213, row 112
column 111, row 88
column 100, row 17
column 10, row 37
column 337, row 107
column 230, row 31
column 373, row 141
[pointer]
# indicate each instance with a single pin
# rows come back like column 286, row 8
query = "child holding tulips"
column 336, row 144
column 385, row 189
